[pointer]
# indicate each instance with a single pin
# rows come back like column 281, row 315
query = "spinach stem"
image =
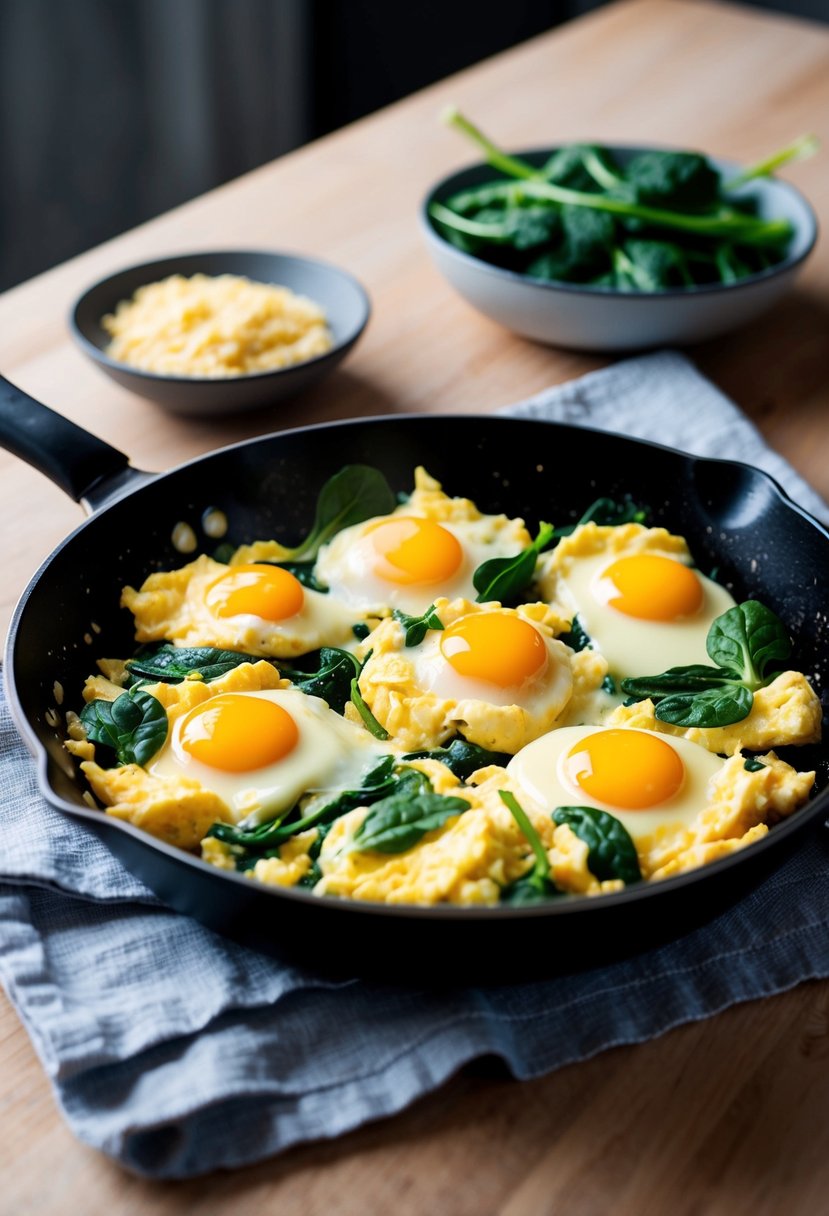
column 542, row 861
column 801, row 149
column 729, row 223
column 511, row 165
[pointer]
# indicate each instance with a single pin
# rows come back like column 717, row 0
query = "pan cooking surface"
column 737, row 522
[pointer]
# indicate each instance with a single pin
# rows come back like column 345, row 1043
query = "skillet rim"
column 568, row 905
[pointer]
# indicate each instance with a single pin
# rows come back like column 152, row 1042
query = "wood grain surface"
column 725, row 1116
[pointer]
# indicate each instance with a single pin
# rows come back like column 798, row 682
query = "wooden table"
column 726, row 1116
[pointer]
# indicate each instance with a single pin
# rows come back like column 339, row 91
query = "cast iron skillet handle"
column 85, row 468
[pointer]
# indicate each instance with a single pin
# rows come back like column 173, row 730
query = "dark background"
column 112, row 111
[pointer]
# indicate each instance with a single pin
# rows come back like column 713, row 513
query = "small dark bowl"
column 344, row 300
column 582, row 316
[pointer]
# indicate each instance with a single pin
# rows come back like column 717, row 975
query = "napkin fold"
column 176, row 1051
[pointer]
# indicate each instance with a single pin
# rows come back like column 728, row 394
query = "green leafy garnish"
column 462, row 757
column 753, row 765
column 417, row 627
column 360, row 630
column 611, row 852
column 506, row 578
column 133, row 726
column 399, row 822
column 356, row 493
column 172, row 664
column 537, row 885
column 742, row 642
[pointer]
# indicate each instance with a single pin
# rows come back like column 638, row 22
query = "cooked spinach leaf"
column 506, row 578
column 369, row 721
column 537, row 885
column 611, row 852
column 417, row 627
column 608, row 513
column 462, row 757
column 743, row 642
column 357, row 492
column 576, row 636
column 360, row 630
column 752, row 765
column 303, row 572
column 265, row 839
column 336, row 680
column 133, row 726
column 746, row 639
column 172, row 664
column 399, row 822
column 332, row 679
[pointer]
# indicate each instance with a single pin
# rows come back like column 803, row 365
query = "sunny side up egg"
column 646, row 781
column 253, row 607
column 636, row 595
column 497, row 676
column 429, row 547
column 261, row 751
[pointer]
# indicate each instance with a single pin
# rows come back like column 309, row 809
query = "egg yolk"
column 652, row 588
column 268, row 592
column 238, row 733
column 625, row 768
column 494, row 646
column 407, row 550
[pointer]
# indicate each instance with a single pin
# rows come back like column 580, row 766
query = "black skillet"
column 735, row 518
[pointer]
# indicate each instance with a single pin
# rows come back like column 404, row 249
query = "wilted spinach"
column 264, row 839
column 399, row 822
column 336, row 680
column 462, row 757
column 133, row 726
column 611, row 852
column 356, row 493
column 742, row 642
column 506, row 578
column 537, row 885
column 172, row 664
column 417, row 627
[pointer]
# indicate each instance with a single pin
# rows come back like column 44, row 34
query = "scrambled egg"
column 224, row 325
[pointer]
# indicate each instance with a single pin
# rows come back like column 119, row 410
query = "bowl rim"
column 789, row 263
column 100, row 356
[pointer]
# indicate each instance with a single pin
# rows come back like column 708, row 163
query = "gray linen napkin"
column 178, row 1052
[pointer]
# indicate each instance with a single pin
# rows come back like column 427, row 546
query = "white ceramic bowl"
column 601, row 318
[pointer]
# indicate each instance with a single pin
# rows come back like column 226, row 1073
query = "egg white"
column 631, row 646
column 538, row 771
column 331, row 753
column 346, row 565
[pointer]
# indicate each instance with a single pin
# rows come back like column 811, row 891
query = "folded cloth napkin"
column 177, row 1051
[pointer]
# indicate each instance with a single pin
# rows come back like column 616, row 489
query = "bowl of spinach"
column 617, row 248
